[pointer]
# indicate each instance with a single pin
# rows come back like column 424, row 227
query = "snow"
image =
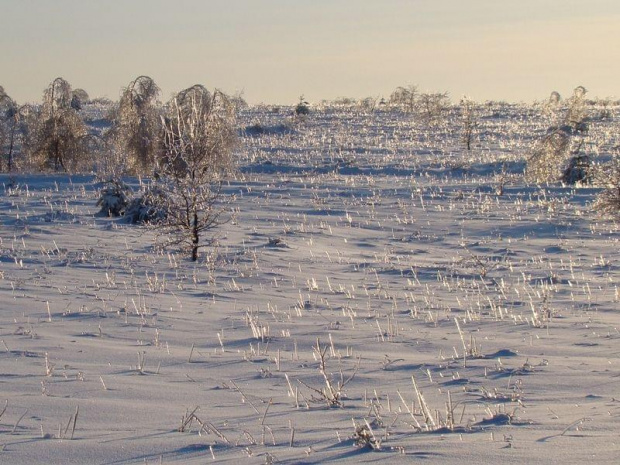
column 386, row 241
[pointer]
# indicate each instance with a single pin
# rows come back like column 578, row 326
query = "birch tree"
column 199, row 137
column 56, row 140
column 137, row 131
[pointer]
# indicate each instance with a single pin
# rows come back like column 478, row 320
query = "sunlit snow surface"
column 377, row 235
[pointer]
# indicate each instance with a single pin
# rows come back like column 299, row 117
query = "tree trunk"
column 11, row 145
column 195, row 238
column 56, row 154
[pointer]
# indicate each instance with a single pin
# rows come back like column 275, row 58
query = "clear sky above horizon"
column 276, row 50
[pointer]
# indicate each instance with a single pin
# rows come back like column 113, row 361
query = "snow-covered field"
column 372, row 287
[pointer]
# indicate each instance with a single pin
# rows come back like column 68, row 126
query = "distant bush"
column 79, row 98
column 103, row 101
column 405, row 98
column 257, row 129
column 577, row 171
column 9, row 118
column 302, row 107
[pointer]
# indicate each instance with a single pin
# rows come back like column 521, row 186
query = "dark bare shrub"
column 151, row 207
column 114, row 198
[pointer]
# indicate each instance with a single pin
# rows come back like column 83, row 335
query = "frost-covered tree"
column 469, row 117
column 199, row 137
column 577, row 110
column 57, row 136
column 8, row 127
column 558, row 156
column 405, row 98
column 608, row 200
column 136, row 129
column 239, row 102
column 432, row 107
column 368, row 104
column 549, row 155
column 552, row 104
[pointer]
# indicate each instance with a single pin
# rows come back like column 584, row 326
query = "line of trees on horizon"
column 53, row 136
column 186, row 145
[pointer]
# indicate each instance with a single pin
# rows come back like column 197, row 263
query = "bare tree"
column 199, row 136
column 470, row 121
column 433, row 106
column 368, row 104
column 137, row 129
column 405, row 98
column 58, row 132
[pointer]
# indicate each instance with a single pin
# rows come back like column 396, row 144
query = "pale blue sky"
column 275, row 50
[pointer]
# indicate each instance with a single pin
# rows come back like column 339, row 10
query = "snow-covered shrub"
column 557, row 156
column 432, row 108
column 114, row 198
column 149, row 208
column 577, row 171
column 608, row 201
column 549, row 156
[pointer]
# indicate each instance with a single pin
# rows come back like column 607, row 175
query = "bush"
column 557, row 156
column 577, row 171
column 608, row 200
column 114, row 198
column 549, row 156
column 302, row 107
column 150, row 208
